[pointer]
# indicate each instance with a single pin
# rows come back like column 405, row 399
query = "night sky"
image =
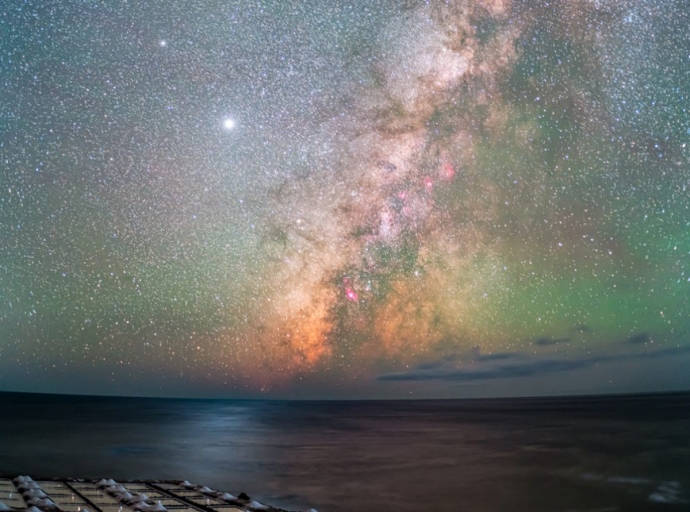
column 344, row 199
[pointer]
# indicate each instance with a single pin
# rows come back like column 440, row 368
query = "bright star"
column 228, row 124
column 163, row 43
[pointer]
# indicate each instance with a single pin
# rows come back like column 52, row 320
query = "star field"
column 331, row 199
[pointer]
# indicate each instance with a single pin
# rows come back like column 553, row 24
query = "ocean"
column 615, row 453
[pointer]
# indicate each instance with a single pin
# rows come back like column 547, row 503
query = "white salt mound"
column 158, row 507
column 41, row 502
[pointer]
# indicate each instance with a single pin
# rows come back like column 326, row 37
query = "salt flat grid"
column 72, row 495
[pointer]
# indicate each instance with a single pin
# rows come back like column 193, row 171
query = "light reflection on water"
column 539, row 455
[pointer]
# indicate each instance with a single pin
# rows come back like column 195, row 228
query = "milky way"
column 345, row 199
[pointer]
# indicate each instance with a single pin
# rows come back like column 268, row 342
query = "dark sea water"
column 576, row 454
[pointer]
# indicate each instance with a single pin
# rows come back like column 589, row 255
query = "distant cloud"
column 477, row 356
column 638, row 339
column 506, row 365
column 543, row 342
